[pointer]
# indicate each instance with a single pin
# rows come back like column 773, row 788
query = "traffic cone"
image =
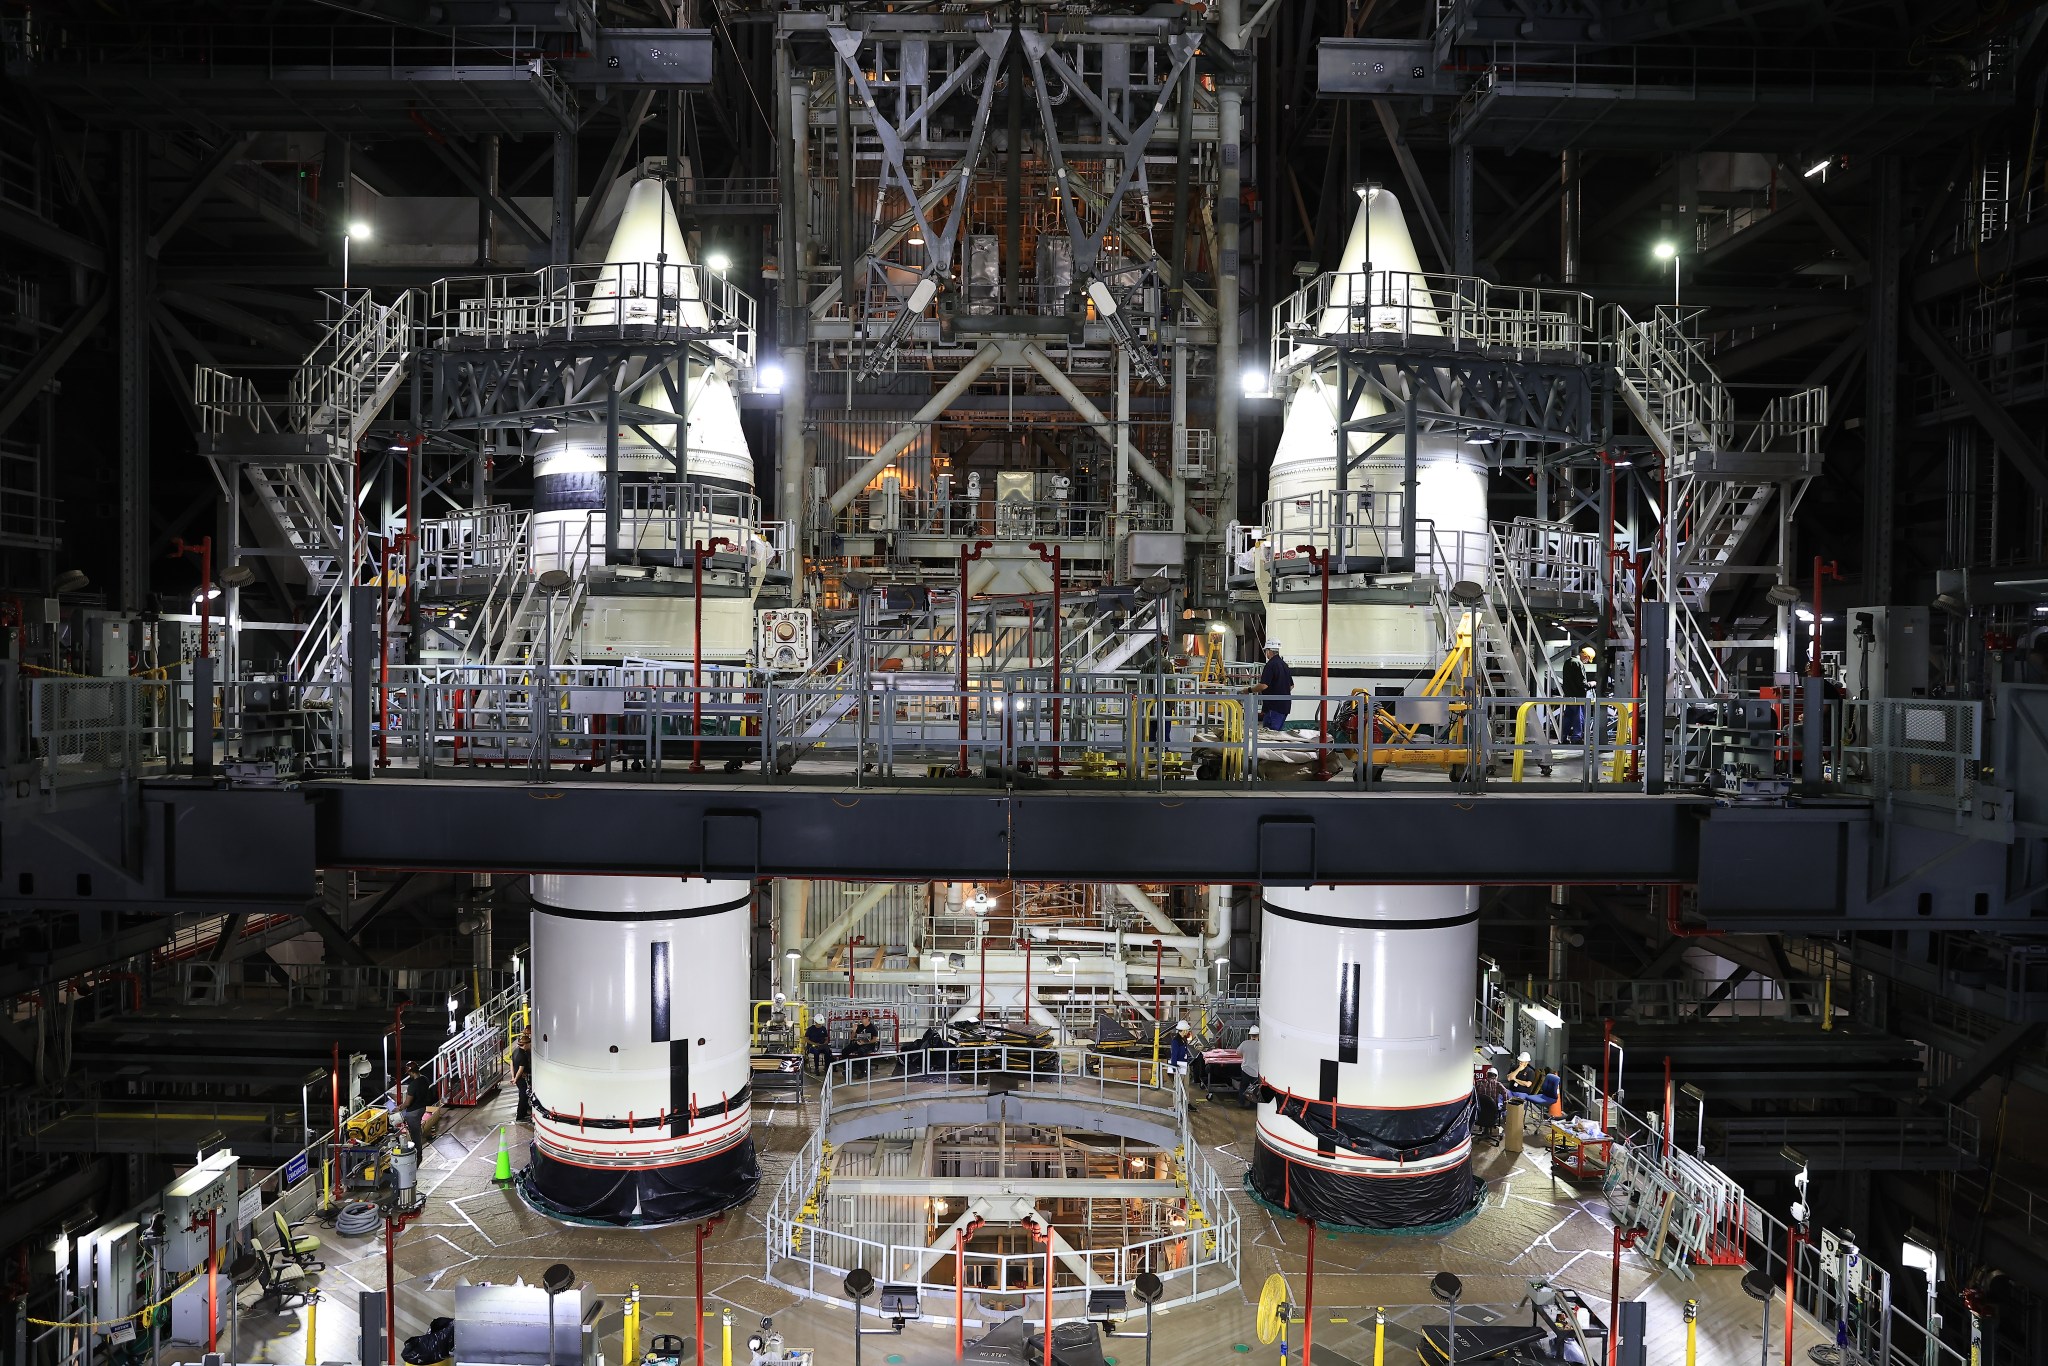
column 504, row 1175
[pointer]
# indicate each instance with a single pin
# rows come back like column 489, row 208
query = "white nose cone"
column 1379, row 285
column 648, row 276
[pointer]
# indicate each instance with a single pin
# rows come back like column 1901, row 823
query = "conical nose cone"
column 648, row 276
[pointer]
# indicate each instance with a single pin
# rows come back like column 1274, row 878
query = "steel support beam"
column 42, row 371
column 1462, row 241
column 196, row 193
column 478, row 184
column 562, row 205
column 18, row 225
column 1881, row 374
column 1993, row 416
column 1992, row 1055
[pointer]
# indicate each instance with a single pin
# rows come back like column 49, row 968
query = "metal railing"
column 1455, row 312
column 1913, row 751
column 88, row 731
column 1197, row 1259
column 594, row 300
column 470, row 545
column 1551, row 557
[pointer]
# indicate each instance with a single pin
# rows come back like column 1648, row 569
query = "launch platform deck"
column 1530, row 1228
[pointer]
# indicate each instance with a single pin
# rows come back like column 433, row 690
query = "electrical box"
column 1157, row 552
column 984, row 274
column 115, row 1251
column 1016, row 486
column 1885, row 652
column 885, row 507
column 212, row 1185
column 106, row 645
column 785, row 639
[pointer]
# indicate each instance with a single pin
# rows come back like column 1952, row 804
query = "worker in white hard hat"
column 1523, row 1077
column 1575, row 684
column 1248, row 1069
column 1276, row 690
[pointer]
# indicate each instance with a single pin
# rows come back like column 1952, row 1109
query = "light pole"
column 1667, row 251
column 1757, row 1285
column 555, row 1280
column 357, row 231
column 1921, row 1257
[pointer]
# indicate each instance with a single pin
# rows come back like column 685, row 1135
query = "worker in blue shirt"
column 1276, row 686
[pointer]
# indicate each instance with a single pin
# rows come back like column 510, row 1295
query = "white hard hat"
column 1252, row 1033
column 1184, row 1027
column 1522, row 1056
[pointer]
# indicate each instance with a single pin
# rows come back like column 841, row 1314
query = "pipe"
column 980, row 361
column 821, row 946
column 1219, row 919
column 1179, row 943
column 1144, row 905
column 1166, row 488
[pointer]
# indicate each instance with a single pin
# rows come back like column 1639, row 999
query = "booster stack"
column 1382, row 618
column 1366, row 1050
column 641, row 1103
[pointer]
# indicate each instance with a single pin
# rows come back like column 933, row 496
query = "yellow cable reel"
column 1274, row 1305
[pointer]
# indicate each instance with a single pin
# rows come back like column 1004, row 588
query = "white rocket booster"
column 648, row 279
column 1378, row 286
column 641, row 1104
column 1366, row 1049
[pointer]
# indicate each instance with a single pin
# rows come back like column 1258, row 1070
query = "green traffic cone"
column 504, row 1176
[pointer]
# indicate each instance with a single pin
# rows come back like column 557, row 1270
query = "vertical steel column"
column 1013, row 178
column 487, row 168
column 611, row 468
column 1570, row 220
column 362, row 674
column 1461, row 211
column 1229, row 129
column 847, row 252
column 132, row 343
column 1880, row 404
column 562, row 217
column 1654, row 663
column 794, row 316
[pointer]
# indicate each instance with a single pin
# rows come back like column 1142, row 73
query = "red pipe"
column 960, row 1293
column 1822, row 569
column 699, row 551
column 968, row 554
column 334, row 1149
column 203, row 548
column 212, row 1284
column 1308, row 1310
column 1791, row 1260
column 1054, row 560
column 1667, row 1109
column 1048, row 1292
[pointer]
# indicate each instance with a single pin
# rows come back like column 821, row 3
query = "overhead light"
column 1806, row 614
column 70, row 581
column 238, row 576
column 1366, row 189
column 543, row 426
column 719, row 262
column 1919, row 1257
column 1781, row 595
column 1953, row 605
column 769, row 378
column 1815, row 169
column 1665, row 251
column 1544, row 1016
column 1217, row 628
column 359, row 231
column 1478, row 436
column 399, row 445
column 207, row 594
column 916, row 238
column 1255, row 381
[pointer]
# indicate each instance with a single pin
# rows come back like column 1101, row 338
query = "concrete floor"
column 477, row 1231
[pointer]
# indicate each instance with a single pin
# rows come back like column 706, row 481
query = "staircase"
column 1114, row 639
column 304, row 482
column 515, row 615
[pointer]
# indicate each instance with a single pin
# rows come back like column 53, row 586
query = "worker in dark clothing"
column 1276, row 688
column 1489, row 1099
column 1574, row 681
column 866, row 1040
column 414, row 1095
column 818, row 1044
column 522, row 1076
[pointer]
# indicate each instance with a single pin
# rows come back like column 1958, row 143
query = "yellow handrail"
column 1624, row 713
